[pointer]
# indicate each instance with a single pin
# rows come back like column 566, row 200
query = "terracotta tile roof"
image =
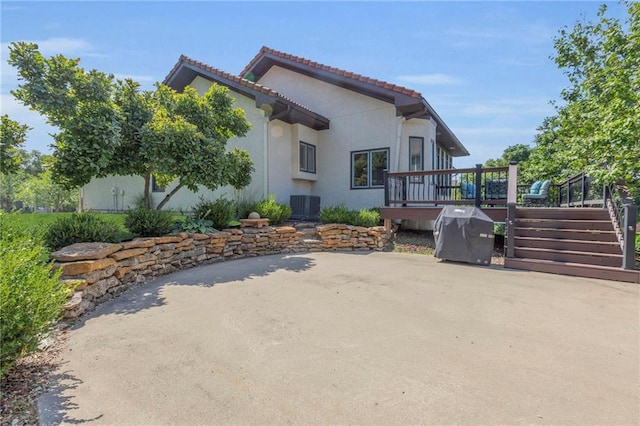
column 239, row 80
column 255, row 86
column 337, row 71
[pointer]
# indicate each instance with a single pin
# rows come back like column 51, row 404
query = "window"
column 416, row 156
column 367, row 168
column 307, row 157
column 154, row 185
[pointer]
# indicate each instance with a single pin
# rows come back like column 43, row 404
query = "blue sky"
column 484, row 66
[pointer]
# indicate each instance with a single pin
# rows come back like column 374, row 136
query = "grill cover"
column 464, row 234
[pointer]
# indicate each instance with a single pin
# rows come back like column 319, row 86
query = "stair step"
column 600, row 225
column 601, row 259
column 574, row 269
column 573, row 234
column 569, row 244
column 563, row 213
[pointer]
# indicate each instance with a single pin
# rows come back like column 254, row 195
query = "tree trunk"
column 147, row 194
column 165, row 200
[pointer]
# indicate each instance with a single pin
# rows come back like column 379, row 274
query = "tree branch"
column 165, row 200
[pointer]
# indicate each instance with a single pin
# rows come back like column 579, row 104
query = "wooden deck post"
column 385, row 179
column 511, row 218
column 478, row 185
column 512, row 178
column 630, row 221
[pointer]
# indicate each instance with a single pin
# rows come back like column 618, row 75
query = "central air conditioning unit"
column 305, row 207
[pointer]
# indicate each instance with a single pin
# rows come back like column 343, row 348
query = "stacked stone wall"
column 97, row 271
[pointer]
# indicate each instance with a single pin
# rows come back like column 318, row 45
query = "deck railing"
column 477, row 186
column 580, row 191
column 624, row 215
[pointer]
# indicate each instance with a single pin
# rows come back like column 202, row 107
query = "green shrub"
column 31, row 297
column 340, row 214
column 193, row 226
column 80, row 228
column 244, row 207
column 499, row 228
column 336, row 214
column 276, row 212
column 149, row 222
column 367, row 218
column 220, row 211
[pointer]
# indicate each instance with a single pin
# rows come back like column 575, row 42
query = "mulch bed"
column 27, row 380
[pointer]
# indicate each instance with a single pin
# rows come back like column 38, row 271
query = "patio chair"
column 496, row 189
column 538, row 194
column 467, row 190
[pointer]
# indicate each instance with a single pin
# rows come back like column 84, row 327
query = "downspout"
column 265, row 132
column 399, row 122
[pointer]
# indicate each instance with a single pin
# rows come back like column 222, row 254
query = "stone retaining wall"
column 97, row 271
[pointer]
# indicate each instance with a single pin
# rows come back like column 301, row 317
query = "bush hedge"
column 340, row 214
column 276, row 212
column 146, row 222
column 31, row 297
column 80, row 228
column 220, row 212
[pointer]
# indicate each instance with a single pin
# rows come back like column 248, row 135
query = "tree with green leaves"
column 518, row 153
column 12, row 136
column 41, row 192
column 597, row 127
column 112, row 127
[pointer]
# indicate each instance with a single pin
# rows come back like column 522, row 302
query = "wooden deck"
column 582, row 229
column 497, row 214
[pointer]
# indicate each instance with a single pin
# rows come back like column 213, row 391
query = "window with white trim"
column 307, row 157
column 416, row 156
column 367, row 168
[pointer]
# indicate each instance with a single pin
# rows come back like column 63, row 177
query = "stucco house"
column 320, row 135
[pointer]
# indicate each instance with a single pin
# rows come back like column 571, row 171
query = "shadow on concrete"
column 54, row 407
column 147, row 295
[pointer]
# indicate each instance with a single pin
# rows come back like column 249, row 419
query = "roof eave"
column 184, row 72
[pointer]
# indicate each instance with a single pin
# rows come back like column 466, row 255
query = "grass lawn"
column 37, row 222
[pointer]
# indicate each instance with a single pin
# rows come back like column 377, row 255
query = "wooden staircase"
column 569, row 241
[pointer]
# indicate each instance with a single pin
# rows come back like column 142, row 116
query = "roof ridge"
column 344, row 73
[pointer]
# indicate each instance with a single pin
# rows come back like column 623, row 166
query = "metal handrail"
column 470, row 186
column 580, row 191
column 624, row 215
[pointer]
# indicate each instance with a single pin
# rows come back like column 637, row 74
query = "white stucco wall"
column 357, row 122
column 97, row 194
column 283, row 164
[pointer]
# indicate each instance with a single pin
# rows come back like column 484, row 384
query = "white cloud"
column 48, row 47
column 63, row 45
column 512, row 107
column 497, row 131
column 430, row 79
column 58, row 45
column 519, row 107
column 39, row 136
column 526, row 33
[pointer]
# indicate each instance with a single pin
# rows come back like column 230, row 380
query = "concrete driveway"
column 378, row 338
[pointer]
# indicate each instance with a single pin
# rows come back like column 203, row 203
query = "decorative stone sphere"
column 254, row 215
